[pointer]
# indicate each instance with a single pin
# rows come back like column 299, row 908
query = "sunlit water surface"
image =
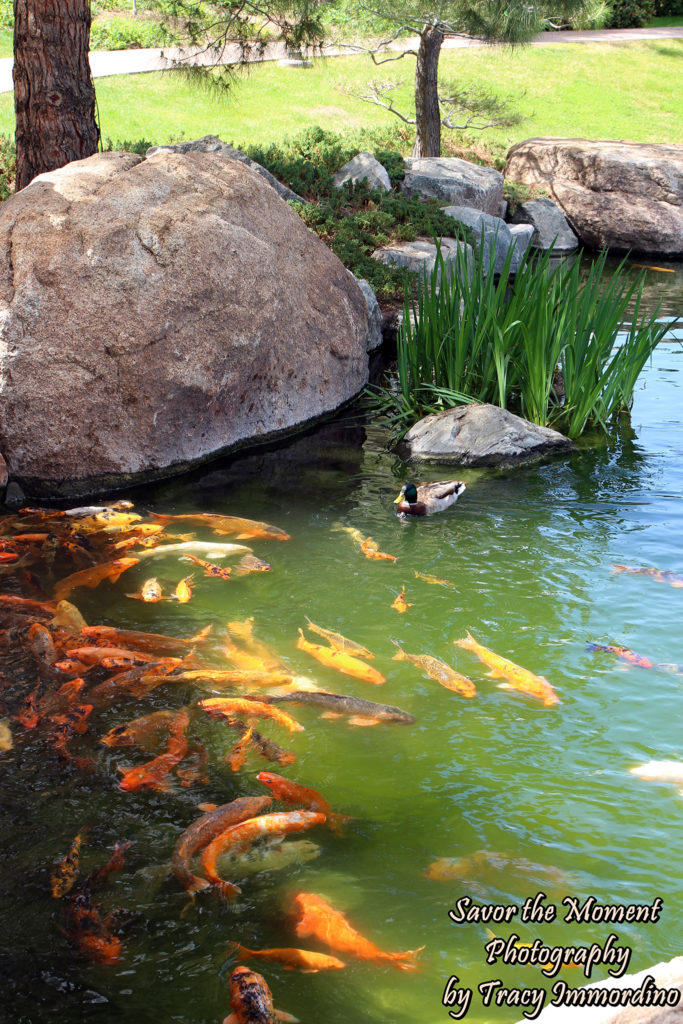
column 530, row 552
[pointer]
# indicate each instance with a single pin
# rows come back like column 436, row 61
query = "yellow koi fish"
column 433, row 579
column 339, row 642
column 517, row 678
column 439, row 671
column 341, row 661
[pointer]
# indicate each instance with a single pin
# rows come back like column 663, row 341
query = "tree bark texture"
column 427, row 113
column 54, row 97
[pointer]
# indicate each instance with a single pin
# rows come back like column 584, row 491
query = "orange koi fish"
column 624, row 653
column 210, row 569
column 229, row 707
column 291, row 959
column 370, row 550
column 251, row 660
column 63, row 878
column 93, row 655
column 238, row 755
column 439, row 671
column 150, row 592
column 41, row 644
column 249, row 564
column 400, row 604
column 251, row 1000
column 183, row 590
column 7, row 557
column 319, row 919
column 341, row 661
column 93, row 577
column 153, row 774
column 517, row 678
column 25, row 606
column 73, row 723
column 244, row 631
column 290, row 792
column 84, row 925
column 245, row 529
column 146, row 732
column 240, row 837
column 195, row 770
column 68, row 618
column 433, row 579
column 339, row 642
column 202, row 831
column 235, row 677
column 675, row 579
column 156, row 643
column 28, row 714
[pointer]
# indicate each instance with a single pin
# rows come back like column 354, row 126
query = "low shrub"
column 6, row 13
column 127, row 34
column 630, row 13
column 8, row 166
column 354, row 220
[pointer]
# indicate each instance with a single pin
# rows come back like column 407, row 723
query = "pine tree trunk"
column 54, row 98
column 427, row 114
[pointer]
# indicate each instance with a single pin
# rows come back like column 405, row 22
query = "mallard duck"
column 424, row 499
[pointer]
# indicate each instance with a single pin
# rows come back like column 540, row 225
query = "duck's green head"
column 408, row 493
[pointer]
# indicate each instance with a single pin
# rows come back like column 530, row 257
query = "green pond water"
column 530, row 552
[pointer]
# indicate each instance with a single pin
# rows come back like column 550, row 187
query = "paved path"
column 104, row 63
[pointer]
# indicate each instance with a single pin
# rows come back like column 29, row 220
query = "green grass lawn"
column 616, row 91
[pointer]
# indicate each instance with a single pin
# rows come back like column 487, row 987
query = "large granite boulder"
column 212, row 144
column 620, row 195
column 455, row 181
column 549, row 226
column 665, row 982
column 154, row 312
column 479, row 435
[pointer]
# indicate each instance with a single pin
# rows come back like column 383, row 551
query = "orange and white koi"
column 320, row 920
column 290, row 792
column 517, row 678
column 439, row 671
column 341, row 661
column 229, row 707
column 239, row 837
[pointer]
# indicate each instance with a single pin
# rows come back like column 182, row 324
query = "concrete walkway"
column 104, row 63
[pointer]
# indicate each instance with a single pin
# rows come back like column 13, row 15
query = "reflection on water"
column 499, row 777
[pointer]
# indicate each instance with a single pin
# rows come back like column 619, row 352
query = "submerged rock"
column 480, row 435
column 155, row 312
column 620, row 195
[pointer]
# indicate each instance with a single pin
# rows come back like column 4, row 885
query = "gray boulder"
column 363, row 167
column 492, row 231
column 619, row 195
column 549, row 225
column 521, row 239
column 212, row 144
column 456, row 182
column 667, row 975
column 479, row 435
column 156, row 312
column 420, row 256
column 375, row 318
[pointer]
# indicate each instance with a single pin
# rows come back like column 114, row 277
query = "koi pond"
column 482, row 801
